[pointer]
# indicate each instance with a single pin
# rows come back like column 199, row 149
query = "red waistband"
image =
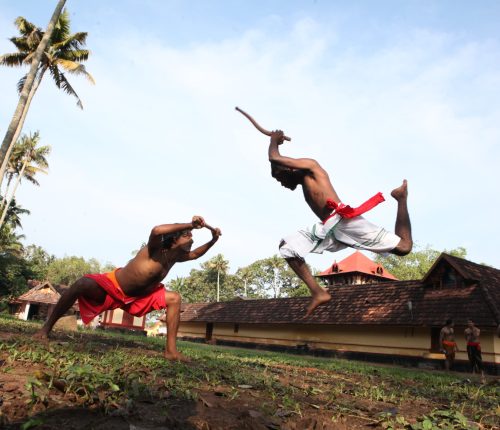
column 476, row 344
column 345, row 211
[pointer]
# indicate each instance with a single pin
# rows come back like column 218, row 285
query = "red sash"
column 475, row 344
column 346, row 211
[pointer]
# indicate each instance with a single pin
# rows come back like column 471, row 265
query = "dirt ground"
column 211, row 408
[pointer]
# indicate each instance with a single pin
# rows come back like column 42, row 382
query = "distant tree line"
column 34, row 263
column 265, row 278
column 416, row 264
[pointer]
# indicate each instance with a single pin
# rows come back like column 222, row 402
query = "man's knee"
column 172, row 298
column 83, row 285
column 404, row 247
column 286, row 251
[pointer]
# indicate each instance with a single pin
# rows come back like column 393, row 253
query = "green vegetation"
column 33, row 262
column 267, row 277
column 110, row 372
column 416, row 264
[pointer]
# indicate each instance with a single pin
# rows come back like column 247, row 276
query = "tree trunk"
column 7, row 202
column 20, row 126
column 4, row 195
column 8, row 140
column 218, row 288
column 275, row 286
column 4, row 199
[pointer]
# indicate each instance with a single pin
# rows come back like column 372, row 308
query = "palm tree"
column 218, row 263
column 26, row 147
column 9, row 241
column 246, row 275
column 27, row 160
column 275, row 265
column 29, row 89
column 64, row 53
column 176, row 284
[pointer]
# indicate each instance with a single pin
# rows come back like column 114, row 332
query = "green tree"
column 272, row 277
column 15, row 270
column 56, row 50
column 176, row 284
column 28, row 158
column 9, row 239
column 26, row 161
column 14, row 275
column 68, row 269
column 416, row 264
column 210, row 283
column 107, row 267
column 219, row 266
column 38, row 261
column 195, row 288
column 246, row 278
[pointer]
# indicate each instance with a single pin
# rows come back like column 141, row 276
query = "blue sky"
column 375, row 91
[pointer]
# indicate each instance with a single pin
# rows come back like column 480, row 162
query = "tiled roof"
column 44, row 292
column 488, row 277
column 385, row 303
column 357, row 263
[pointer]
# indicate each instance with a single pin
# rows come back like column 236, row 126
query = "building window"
column 449, row 277
column 236, row 328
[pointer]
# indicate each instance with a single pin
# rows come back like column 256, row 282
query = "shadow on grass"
column 141, row 415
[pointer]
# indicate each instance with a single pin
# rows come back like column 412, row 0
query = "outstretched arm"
column 159, row 230
column 292, row 163
column 162, row 229
column 201, row 250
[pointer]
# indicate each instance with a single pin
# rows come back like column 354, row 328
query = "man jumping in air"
column 136, row 288
column 340, row 225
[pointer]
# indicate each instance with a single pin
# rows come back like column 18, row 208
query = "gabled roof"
column 44, row 292
column 357, row 263
column 487, row 277
column 467, row 269
column 384, row 303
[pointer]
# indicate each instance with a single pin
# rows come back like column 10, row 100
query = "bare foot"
column 401, row 193
column 176, row 356
column 42, row 336
column 318, row 299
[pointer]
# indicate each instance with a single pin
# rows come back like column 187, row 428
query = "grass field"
column 103, row 380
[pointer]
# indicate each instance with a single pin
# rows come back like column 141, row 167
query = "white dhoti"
column 338, row 233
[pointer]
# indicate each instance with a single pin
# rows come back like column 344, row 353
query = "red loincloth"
column 116, row 298
column 449, row 347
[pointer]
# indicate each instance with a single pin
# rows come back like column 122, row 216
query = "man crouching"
column 136, row 288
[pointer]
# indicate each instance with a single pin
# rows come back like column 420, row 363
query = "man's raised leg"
column 83, row 287
column 173, row 315
column 403, row 225
column 319, row 294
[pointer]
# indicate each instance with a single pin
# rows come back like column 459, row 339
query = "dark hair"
column 290, row 175
column 449, row 321
column 167, row 240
